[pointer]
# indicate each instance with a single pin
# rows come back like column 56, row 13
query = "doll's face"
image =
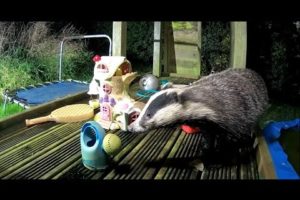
column 107, row 88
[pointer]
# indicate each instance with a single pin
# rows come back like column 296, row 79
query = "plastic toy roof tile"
column 107, row 66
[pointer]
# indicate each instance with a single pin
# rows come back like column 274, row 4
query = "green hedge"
column 215, row 47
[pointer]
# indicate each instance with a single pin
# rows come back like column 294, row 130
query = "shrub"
column 29, row 54
column 215, row 52
column 140, row 44
column 14, row 73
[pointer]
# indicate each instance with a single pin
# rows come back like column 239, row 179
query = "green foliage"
column 140, row 44
column 99, row 46
column 29, row 54
column 9, row 109
column 280, row 49
column 279, row 65
column 14, row 73
column 78, row 64
column 215, row 47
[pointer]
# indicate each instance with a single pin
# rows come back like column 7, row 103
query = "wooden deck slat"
column 211, row 173
column 249, row 173
column 194, row 173
column 178, row 172
column 253, row 168
column 172, row 169
column 15, row 158
column 151, row 156
column 55, row 172
column 66, row 169
column 243, row 172
column 146, row 154
column 233, row 172
column 204, row 174
column 161, row 173
column 228, row 169
column 216, row 173
column 220, row 170
column 28, row 159
column 15, row 132
column 185, row 155
column 50, row 151
column 31, row 139
column 29, row 149
column 157, row 153
column 224, row 173
column 167, row 148
column 192, row 154
column 23, row 135
column 74, row 171
column 78, row 170
column 133, row 152
column 45, row 163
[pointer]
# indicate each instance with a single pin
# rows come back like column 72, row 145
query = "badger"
column 225, row 105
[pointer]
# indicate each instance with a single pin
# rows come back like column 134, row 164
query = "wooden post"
column 187, row 51
column 157, row 49
column 119, row 38
column 238, row 50
column 266, row 168
column 169, row 60
column 163, row 53
column 198, row 70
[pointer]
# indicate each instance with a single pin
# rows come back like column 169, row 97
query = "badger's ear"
column 174, row 97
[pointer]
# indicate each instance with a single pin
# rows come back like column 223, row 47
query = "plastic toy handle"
column 30, row 122
column 145, row 93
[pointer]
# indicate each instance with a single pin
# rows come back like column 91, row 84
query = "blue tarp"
column 272, row 132
column 50, row 92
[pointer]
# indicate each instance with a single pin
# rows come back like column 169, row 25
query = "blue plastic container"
column 272, row 133
column 91, row 139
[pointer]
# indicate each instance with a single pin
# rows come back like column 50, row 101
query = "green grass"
column 9, row 110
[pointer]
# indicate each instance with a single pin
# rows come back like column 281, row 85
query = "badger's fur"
column 226, row 104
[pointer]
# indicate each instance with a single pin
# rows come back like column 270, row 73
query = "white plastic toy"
column 112, row 77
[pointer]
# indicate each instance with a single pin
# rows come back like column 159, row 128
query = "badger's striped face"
column 162, row 109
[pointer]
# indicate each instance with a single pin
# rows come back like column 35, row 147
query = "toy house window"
column 125, row 69
column 102, row 68
column 133, row 116
column 107, row 88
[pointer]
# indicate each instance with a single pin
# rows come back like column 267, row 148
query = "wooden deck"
column 52, row 151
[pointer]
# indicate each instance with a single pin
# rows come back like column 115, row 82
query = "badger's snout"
column 136, row 127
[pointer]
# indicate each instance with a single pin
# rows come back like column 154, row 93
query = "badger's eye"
column 148, row 115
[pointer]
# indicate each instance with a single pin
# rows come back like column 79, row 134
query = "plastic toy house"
column 112, row 77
